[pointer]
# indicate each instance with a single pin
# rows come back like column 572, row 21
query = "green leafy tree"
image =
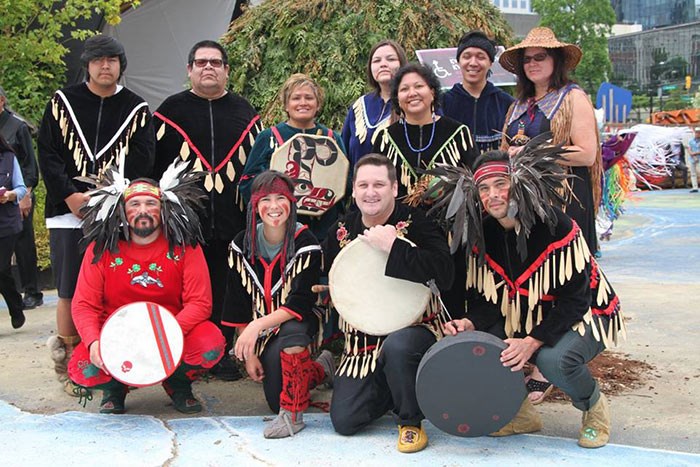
column 586, row 23
column 330, row 41
column 33, row 34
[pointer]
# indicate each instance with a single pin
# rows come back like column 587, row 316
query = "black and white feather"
column 455, row 204
column 104, row 215
column 537, row 185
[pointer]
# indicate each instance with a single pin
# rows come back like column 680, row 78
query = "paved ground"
column 653, row 262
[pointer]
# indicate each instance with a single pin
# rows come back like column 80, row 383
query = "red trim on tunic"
column 609, row 310
column 296, row 315
column 196, row 150
column 234, row 325
column 513, row 286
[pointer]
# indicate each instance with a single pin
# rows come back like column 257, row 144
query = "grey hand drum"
column 141, row 344
column 464, row 389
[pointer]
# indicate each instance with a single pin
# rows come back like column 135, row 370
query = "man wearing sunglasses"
column 213, row 129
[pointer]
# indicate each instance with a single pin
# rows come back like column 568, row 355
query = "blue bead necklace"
column 408, row 141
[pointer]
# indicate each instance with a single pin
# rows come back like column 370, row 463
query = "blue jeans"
column 565, row 366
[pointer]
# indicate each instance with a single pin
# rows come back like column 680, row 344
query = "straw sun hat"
column 540, row 37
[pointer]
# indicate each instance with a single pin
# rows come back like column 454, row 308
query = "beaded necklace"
column 408, row 141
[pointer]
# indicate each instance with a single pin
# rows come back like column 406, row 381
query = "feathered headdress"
column 181, row 201
column 536, row 177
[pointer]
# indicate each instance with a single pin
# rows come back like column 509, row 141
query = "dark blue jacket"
column 484, row 116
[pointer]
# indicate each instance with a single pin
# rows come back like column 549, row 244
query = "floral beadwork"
column 402, row 227
column 342, row 235
column 117, row 262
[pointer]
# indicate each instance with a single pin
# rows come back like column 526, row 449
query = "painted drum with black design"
column 318, row 168
column 464, row 389
column 141, row 344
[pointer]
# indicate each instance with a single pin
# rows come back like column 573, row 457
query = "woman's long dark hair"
column 560, row 75
column 422, row 71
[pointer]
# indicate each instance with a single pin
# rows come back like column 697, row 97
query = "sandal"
column 535, row 385
column 113, row 401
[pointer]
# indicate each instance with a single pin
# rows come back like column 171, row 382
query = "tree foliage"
column 32, row 46
column 33, row 34
column 330, row 41
column 586, row 23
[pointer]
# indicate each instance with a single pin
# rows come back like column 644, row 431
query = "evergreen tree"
column 330, row 40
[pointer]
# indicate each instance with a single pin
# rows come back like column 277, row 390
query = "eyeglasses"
column 202, row 62
column 540, row 57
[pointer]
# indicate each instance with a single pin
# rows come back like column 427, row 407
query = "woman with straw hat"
column 547, row 100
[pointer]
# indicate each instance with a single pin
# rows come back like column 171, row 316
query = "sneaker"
column 282, row 425
column 411, row 438
column 226, row 370
column 694, row 190
column 327, row 361
column 32, row 301
column 595, row 429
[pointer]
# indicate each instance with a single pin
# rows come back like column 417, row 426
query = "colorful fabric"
column 490, row 169
column 300, row 374
column 141, row 189
column 366, row 117
column 179, row 282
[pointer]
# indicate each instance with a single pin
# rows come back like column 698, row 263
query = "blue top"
column 484, row 115
column 17, row 181
column 694, row 145
column 366, row 116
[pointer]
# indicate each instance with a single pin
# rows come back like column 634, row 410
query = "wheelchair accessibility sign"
column 446, row 67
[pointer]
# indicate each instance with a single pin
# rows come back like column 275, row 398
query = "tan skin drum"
column 369, row 300
column 141, row 344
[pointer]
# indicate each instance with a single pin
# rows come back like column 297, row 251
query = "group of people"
column 19, row 177
column 242, row 276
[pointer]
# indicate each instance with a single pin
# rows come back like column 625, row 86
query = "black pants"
column 292, row 333
column 357, row 402
column 216, row 255
column 25, row 253
column 7, row 282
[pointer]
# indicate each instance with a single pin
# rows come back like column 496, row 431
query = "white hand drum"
column 141, row 344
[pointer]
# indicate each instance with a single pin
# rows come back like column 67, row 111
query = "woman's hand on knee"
column 254, row 367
